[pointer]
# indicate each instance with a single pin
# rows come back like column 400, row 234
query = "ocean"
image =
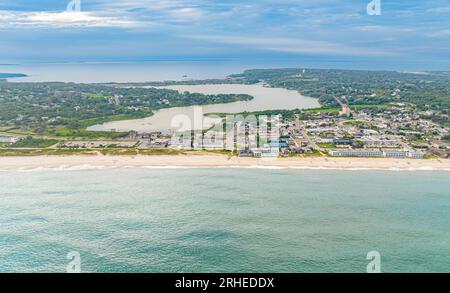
column 224, row 220
column 159, row 70
column 100, row 72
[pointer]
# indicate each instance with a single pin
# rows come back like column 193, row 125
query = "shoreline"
column 77, row 162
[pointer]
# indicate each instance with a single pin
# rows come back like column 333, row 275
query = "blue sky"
column 408, row 33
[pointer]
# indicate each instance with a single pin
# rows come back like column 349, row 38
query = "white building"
column 265, row 152
column 379, row 142
column 8, row 139
column 355, row 153
column 395, row 154
column 376, row 153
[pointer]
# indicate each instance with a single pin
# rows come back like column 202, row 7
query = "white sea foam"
column 424, row 168
column 252, row 167
column 170, row 167
column 331, row 168
column 66, row 168
column 84, row 167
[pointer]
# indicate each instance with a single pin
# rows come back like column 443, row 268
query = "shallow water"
column 224, row 220
column 265, row 98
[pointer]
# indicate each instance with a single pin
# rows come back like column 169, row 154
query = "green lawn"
column 326, row 145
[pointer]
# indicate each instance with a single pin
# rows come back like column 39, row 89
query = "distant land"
column 10, row 75
column 360, row 114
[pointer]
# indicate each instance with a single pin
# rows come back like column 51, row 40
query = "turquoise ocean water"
column 224, row 220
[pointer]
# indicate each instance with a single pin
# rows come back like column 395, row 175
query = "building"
column 343, row 142
column 278, row 144
column 376, row 142
column 265, row 153
column 245, row 153
column 8, row 139
column 325, row 140
column 403, row 154
column 133, row 135
column 395, row 154
column 416, row 155
column 355, row 153
column 376, row 153
column 345, row 111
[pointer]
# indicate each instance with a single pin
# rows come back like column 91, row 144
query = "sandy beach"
column 218, row 161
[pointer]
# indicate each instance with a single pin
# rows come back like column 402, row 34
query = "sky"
column 408, row 33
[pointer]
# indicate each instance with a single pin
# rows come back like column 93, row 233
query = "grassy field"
column 31, row 142
column 326, row 145
column 104, row 151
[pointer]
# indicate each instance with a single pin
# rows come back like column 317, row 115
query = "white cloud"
column 163, row 11
column 21, row 19
column 187, row 14
column 441, row 33
column 386, row 29
column 440, row 9
column 290, row 45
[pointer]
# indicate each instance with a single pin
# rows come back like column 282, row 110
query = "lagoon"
column 265, row 98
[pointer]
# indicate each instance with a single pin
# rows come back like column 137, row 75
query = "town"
column 361, row 114
column 397, row 132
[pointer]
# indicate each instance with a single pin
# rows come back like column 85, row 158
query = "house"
column 343, row 142
column 245, row 153
column 265, row 153
column 8, row 139
column 416, row 155
column 379, row 142
column 278, row 144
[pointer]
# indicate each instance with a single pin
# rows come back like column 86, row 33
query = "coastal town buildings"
column 396, row 133
column 8, row 139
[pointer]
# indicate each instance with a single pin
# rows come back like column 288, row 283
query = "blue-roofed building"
column 245, row 153
column 278, row 144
